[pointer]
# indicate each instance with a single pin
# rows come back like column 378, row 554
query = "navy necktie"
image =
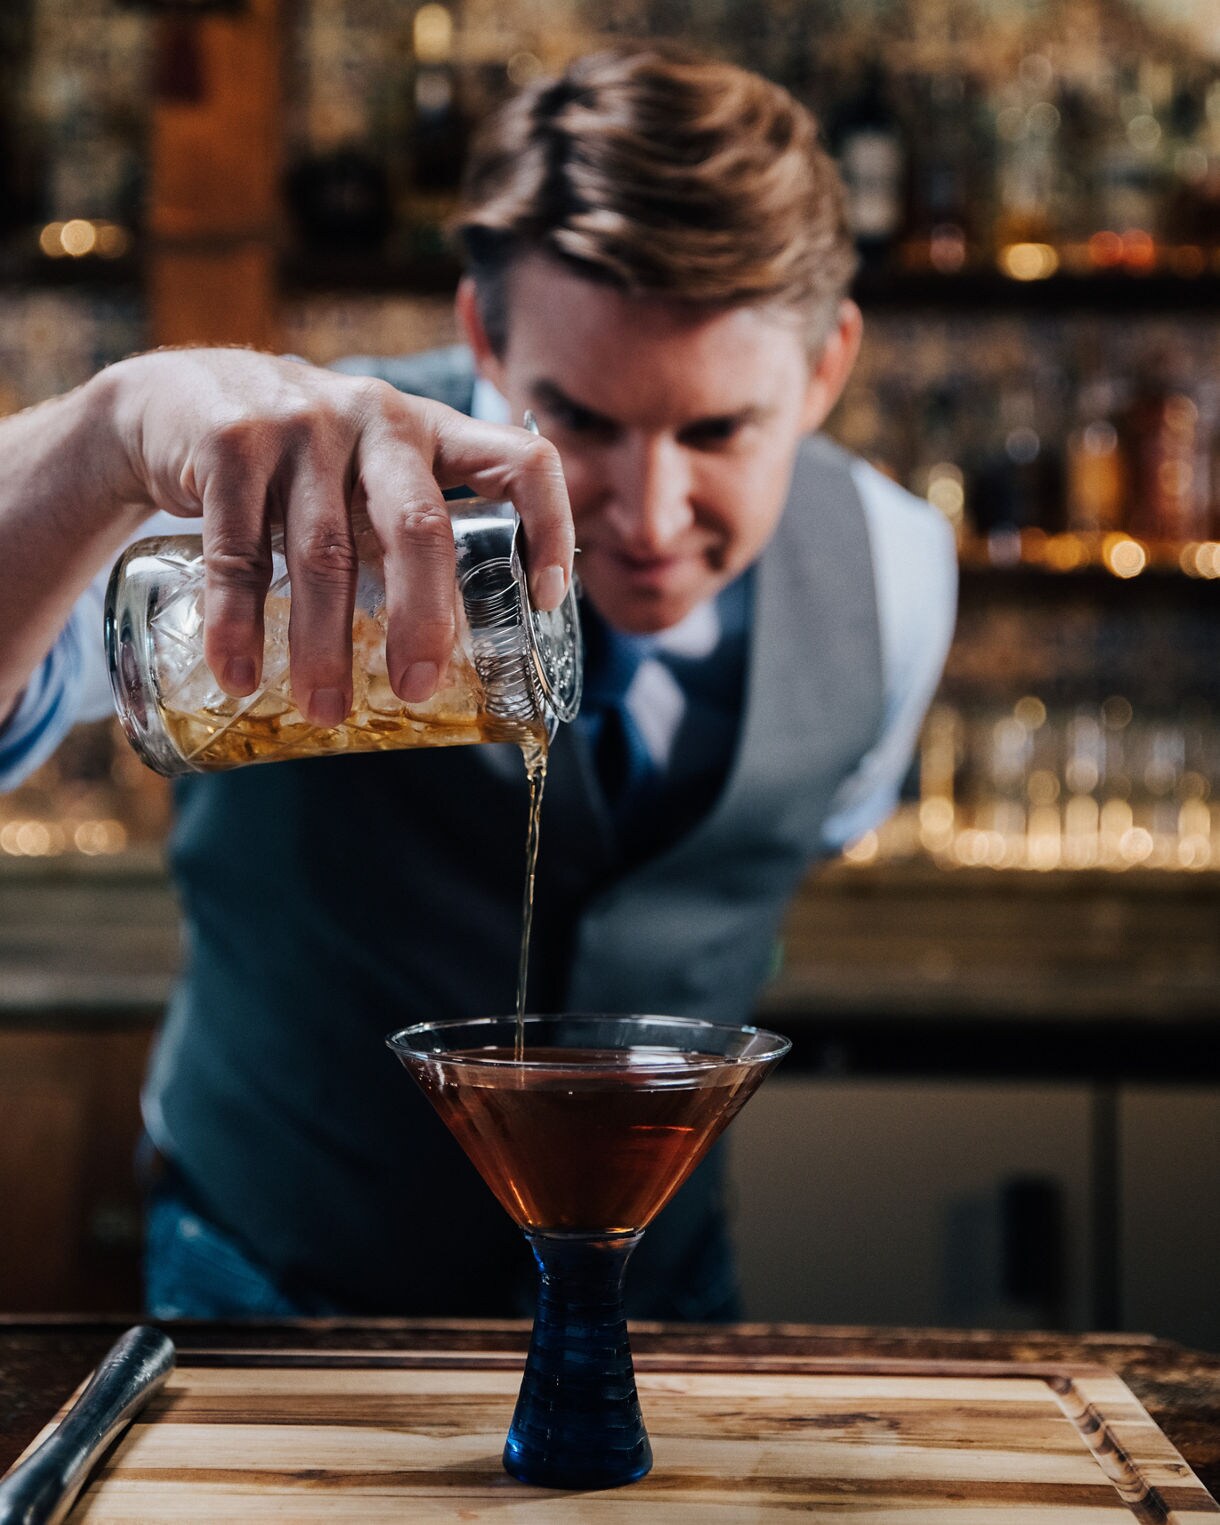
column 625, row 767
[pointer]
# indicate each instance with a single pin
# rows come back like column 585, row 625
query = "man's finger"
column 416, row 536
column 499, row 461
column 322, row 565
column 237, row 571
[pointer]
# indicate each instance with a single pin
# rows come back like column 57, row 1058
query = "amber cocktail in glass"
column 583, row 1140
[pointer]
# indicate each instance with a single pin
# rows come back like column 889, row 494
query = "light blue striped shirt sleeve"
column 45, row 712
column 71, row 685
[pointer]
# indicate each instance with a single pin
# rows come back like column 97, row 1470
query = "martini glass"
column 583, row 1141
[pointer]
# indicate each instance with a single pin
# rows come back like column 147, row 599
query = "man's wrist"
column 108, row 460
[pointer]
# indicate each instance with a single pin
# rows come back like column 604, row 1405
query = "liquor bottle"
column 1027, row 124
column 1163, row 444
column 937, row 474
column 950, row 175
column 1079, row 140
column 1094, row 466
column 1128, row 170
column 869, row 144
column 1192, row 204
column 440, row 126
column 1209, row 189
column 16, row 189
column 341, row 199
column 1207, row 396
column 1017, row 483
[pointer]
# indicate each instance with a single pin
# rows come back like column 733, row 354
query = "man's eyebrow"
column 738, row 418
column 551, row 394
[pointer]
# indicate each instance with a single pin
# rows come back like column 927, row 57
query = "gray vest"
column 329, row 902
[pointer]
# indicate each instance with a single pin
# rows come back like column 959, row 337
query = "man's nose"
column 652, row 493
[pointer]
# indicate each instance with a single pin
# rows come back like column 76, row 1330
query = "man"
column 658, row 264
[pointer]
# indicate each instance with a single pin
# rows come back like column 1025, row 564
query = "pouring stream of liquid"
column 535, row 754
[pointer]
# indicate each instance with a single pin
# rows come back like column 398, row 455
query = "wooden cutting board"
column 365, row 1437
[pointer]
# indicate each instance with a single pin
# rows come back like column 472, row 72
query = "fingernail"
column 239, row 675
column 549, row 587
column 328, row 706
column 419, row 682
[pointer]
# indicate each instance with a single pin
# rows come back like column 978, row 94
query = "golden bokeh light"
column 1123, row 556
column 1028, row 262
column 432, row 34
column 1030, row 711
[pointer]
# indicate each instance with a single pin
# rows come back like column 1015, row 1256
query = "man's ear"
column 472, row 329
column 833, row 366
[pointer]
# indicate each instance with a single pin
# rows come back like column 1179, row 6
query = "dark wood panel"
column 68, row 1199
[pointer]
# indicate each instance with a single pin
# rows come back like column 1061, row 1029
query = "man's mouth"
column 649, row 563
column 637, row 565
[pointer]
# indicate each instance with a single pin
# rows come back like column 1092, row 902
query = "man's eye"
column 712, row 433
column 578, row 420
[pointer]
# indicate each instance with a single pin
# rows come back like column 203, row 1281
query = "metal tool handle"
column 43, row 1488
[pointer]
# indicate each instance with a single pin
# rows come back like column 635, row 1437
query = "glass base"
column 577, row 1422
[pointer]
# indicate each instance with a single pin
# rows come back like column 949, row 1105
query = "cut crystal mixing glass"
column 514, row 671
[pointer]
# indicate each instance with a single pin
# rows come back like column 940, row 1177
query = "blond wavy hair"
column 663, row 173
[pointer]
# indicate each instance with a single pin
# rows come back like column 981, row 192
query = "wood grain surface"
column 367, row 1436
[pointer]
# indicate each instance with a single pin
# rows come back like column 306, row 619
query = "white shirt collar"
column 488, row 405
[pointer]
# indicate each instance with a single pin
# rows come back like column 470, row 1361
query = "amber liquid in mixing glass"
column 225, row 735
column 213, row 730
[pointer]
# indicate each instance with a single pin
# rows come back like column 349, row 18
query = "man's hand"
column 249, row 441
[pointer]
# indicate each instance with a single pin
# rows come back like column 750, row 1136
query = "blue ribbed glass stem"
column 578, row 1423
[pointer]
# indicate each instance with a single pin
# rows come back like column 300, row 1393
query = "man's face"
column 677, row 427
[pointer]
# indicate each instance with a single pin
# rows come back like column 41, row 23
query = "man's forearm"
column 66, row 509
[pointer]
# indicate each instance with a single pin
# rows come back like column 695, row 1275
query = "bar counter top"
column 915, row 967
column 42, row 1359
